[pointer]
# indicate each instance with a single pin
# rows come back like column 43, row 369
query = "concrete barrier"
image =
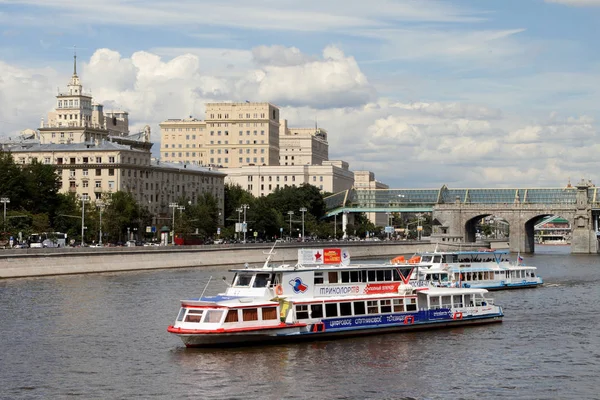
column 40, row 262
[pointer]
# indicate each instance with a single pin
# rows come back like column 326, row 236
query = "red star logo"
column 317, row 256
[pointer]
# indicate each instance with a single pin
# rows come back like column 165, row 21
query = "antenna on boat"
column 270, row 254
column 206, row 286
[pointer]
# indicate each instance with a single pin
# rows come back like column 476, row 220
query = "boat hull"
column 308, row 334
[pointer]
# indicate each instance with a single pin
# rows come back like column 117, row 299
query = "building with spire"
column 96, row 155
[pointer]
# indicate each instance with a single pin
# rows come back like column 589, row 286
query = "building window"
column 99, row 160
column 98, row 184
column 98, row 172
column 111, row 160
column 85, row 172
column 84, row 184
column 111, row 172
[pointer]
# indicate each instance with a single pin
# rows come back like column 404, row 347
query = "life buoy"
column 409, row 319
column 318, row 327
column 278, row 290
column 457, row 315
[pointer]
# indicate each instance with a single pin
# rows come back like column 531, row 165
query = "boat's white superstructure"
column 305, row 302
column 487, row 269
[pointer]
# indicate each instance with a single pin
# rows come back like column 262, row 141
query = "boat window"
column 213, row 316
column 457, row 300
column 398, row 305
column 363, row 275
column 387, row 275
column 331, row 310
column 372, row 307
column 533, row 274
column 371, row 275
column 468, row 300
column 434, row 301
column 386, row 306
column 269, row 313
column 426, row 259
column 232, row 316
column 194, row 315
column 411, row 305
column 181, row 314
column 243, row 280
column 437, row 259
column 261, row 280
column 379, row 274
column 355, row 276
column 316, row 310
column 318, row 278
column 302, row 311
column 345, row 276
column 359, row 308
column 333, row 276
column 345, row 309
column 250, row 314
column 446, row 301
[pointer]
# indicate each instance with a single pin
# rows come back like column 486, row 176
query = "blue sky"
column 480, row 93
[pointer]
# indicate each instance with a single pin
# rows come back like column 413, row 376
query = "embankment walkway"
column 20, row 263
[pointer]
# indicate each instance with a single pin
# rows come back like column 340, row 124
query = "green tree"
column 41, row 185
column 121, row 211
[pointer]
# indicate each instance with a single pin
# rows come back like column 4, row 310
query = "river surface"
column 103, row 336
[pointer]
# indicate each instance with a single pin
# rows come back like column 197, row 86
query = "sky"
column 424, row 93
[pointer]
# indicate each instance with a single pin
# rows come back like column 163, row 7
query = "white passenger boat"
column 275, row 303
column 487, row 269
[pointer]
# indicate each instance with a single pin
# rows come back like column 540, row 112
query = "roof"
column 185, row 167
column 37, row 147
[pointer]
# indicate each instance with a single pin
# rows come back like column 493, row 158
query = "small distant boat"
column 486, row 269
column 320, row 300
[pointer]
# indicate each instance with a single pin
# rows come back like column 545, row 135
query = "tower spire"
column 74, row 60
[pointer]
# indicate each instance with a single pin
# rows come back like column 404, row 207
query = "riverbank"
column 43, row 262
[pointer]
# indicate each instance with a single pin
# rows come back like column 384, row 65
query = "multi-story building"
column 94, row 153
column 302, row 146
column 231, row 136
column 366, row 180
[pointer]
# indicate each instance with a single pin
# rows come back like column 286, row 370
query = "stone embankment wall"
column 40, row 262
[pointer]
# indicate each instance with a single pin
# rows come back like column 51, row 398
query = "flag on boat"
column 520, row 259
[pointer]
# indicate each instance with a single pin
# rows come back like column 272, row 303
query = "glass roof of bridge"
column 395, row 198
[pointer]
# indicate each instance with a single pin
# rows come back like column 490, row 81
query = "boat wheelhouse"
column 488, row 269
column 308, row 302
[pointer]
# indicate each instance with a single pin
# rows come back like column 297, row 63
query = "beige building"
column 302, row 146
column 366, row 180
column 94, row 154
column 231, row 136
column 332, row 176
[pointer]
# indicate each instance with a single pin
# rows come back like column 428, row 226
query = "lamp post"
column 419, row 227
column 100, row 208
column 290, row 213
column 4, row 200
column 173, row 206
column 244, row 228
column 238, row 228
column 389, row 217
column 303, row 210
column 82, row 219
column 335, row 226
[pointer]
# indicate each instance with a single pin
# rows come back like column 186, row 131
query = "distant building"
column 94, row 153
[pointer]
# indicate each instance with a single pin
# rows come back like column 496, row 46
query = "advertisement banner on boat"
column 328, row 256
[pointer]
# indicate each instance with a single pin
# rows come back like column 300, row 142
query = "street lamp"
column 335, row 226
column 419, row 227
column 100, row 208
column 4, row 200
column 173, row 206
column 290, row 213
column 83, row 199
column 245, row 207
column 238, row 228
column 303, row 210
column 389, row 217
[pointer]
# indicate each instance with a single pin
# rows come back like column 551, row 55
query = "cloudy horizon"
column 422, row 93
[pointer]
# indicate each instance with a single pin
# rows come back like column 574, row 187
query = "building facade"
column 94, row 154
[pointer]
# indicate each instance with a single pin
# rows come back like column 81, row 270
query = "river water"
column 103, row 336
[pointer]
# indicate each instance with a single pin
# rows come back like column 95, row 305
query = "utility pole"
column 100, row 208
column 290, row 213
column 173, row 206
column 4, row 200
column 82, row 219
column 244, row 227
column 303, row 210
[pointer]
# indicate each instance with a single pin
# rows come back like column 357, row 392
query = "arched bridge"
column 455, row 212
